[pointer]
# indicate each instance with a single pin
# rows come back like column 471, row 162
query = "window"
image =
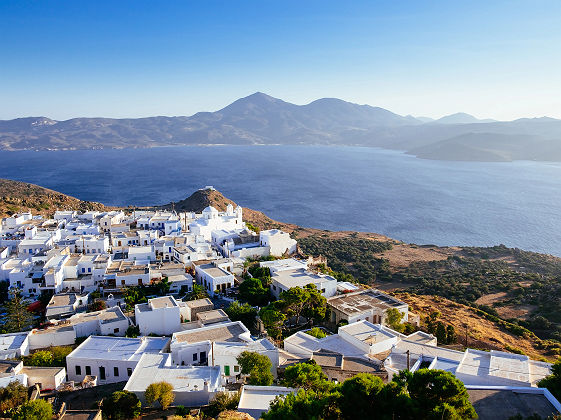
column 140, row 282
column 116, row 330
column 115, row 371
column 88, row 370
column 78, row 370
column 322, row 290
column 89, row 270
column 129, row 371
column 194, row 357
column 83, row 270
column 236, row 368
column 274, row 287
column 122, row 282
column 102, row 373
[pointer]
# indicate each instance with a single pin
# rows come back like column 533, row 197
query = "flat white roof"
column 12, row 341
column 284, row 264
column 369, row 333
column 118, row 348
column 152, row 368
column 255, row 400
column 300, row 278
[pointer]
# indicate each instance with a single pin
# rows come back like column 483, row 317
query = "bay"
column 335, row 188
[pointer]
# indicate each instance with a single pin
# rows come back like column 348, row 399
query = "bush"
column 222, row 401
column 257, row 366
column 34, row 410
column 121, row 405
column 12, row 396
column 161, row 392
column 133, row 331
column 316, row 332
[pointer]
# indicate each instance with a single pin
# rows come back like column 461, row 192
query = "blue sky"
column 63, row 59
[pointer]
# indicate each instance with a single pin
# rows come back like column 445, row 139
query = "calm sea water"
column 336, row 188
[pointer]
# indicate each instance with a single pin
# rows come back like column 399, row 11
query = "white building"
column 111, row 218
column 142, row 254
column 14, row 345
column 194, row 347
column 110, row 359
column 211, row 219
column 92, row 244
column 65, row 304
column 47, row 378
column 213, row 277
column 281, row 281
column 193, row 386
column 109, row 321
column 161, row 316
column 285, row 264
column 278, row 242
column 370, row 305
column 256, row 400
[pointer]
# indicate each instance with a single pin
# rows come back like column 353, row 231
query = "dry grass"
column 482, row 333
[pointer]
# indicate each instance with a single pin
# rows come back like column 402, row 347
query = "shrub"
column 161, row 392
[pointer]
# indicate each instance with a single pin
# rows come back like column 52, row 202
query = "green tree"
column 161, row 392
column 133, row 331
column 273, row 319
column 393, row 320
column 18, row 317
column 316, row 332
column 34, row 410
column 222, row 401
column 243, row 312
column 41, row 358
column 121, row 405
column 437, row 393
column 257, row 366
column 359, row 396
column 451, row 336
column 316, row 305
column 198, row 292
column 295, row 300
column 305, row 375
column 304, row 404
column 553, row 381
column 430, row 320
column 252, row 291
column 441, row 333
column 11, row 396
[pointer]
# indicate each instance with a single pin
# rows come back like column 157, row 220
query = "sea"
column 333, row 188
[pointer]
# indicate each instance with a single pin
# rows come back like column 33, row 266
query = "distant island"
column 260, row 119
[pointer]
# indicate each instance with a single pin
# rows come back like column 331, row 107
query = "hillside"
column 260, row 119
column 512, row 298
column 18, row 196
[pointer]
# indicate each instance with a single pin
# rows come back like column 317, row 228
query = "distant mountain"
column 460, row 118
column 260, row 119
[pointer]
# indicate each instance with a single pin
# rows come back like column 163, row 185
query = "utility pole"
column 408, row 359
column 212, row 351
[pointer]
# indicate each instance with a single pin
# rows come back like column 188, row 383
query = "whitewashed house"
column 211, row 219
column 110, row 359
column 161, row 316
column 213, row 277
column 109, row 321
column 278, row 242
column 193, row 386
column 283, row 280
column 14, row 345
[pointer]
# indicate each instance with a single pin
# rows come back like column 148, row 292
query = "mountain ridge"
column 260, row 119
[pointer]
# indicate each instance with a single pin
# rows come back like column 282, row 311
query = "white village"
column 146, row 297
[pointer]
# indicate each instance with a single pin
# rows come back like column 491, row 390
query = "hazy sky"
column 63, row 59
